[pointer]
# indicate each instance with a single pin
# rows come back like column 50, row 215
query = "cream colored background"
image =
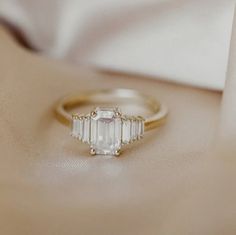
column 185, row 41
column 179, row 180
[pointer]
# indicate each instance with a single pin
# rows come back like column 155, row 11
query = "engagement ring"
column 106, row 129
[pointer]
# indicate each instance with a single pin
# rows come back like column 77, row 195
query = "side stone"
column 77, row 126
column 132, row 129
column 126, row 131
column 86, row 130
column 81, row 128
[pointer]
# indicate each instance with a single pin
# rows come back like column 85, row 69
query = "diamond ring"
column 107, row 129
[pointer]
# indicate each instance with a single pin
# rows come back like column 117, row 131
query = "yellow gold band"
column 70, row 102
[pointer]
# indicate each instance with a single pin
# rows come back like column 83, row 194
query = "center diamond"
column 106, row 129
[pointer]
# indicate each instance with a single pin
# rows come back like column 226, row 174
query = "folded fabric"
column 184, row 41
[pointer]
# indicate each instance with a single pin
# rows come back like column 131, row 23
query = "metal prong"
column 75, row 116
column 93, row 114
column 92, row 152
column 117, row 153
column 141, row 118
column 118, row 113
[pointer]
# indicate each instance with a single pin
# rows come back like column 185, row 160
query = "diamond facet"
column 77, row 127
column 140, row 128
column 106, row 131
column 86, row 130
column 126, row 131
column 133, row 130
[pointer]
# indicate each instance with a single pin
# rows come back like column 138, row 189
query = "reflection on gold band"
column 159, row 110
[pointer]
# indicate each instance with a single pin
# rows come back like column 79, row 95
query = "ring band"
column 106, row 130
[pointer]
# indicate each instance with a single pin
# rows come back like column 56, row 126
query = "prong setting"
column 118, row 114
column 92, row 152
column 93, row 114
column 106, row 130
column 75, row 116
column 117, row 152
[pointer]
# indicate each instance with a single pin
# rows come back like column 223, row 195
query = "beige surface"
column 49, row 185
column 185, row 41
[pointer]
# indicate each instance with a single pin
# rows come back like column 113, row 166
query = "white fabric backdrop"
column 185, row 41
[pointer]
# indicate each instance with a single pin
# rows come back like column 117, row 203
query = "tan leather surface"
column 165, row 184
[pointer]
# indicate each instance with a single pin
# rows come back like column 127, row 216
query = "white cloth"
column 185, row 41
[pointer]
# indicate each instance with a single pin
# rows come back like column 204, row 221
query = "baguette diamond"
column 86, row 130
column 126, row 131
column 77, row 127
column 106, row 130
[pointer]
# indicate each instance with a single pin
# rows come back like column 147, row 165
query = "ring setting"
column 106, row 130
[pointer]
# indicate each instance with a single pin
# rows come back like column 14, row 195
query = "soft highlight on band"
column 66, row 104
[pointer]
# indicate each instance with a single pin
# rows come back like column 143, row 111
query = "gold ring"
column 106, row 129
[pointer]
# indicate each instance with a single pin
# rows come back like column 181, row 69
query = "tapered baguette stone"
column 86, row 130
column 77, row 128
column 141, row 128
column 134, row 130
column 126, row 131
column 106, row 129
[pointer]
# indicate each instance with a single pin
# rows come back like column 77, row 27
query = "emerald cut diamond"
column 106, row 130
